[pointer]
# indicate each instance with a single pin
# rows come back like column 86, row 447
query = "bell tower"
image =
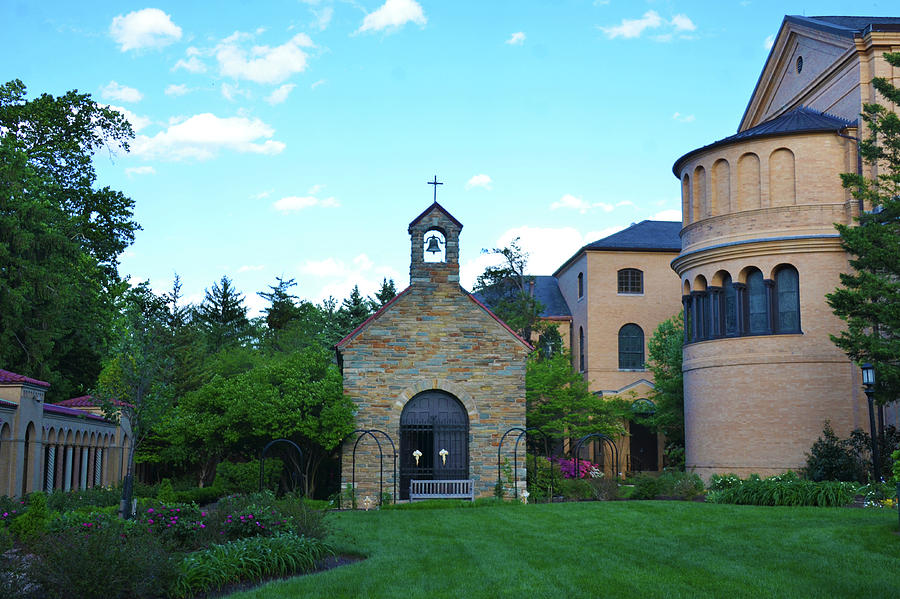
column 434, row 237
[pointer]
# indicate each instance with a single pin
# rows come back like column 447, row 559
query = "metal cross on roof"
column 435, row 183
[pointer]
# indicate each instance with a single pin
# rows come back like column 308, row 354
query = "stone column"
column 67, row 476
column 83, row 470
column 58, row 478
column 98, row 467
column 51, row 469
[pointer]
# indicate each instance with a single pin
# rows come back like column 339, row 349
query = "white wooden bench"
column 441, row 489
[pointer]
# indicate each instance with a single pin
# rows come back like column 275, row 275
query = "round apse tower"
column 759, row 254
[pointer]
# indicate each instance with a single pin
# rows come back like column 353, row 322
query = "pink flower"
column 150, row 510
column 150, row 522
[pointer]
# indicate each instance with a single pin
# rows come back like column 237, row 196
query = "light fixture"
column 868, row 374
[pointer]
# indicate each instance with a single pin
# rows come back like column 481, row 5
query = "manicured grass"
column 609, row 549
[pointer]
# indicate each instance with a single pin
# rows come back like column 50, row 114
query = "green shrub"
column 576, row 489
column 249, row 559
column 66, row 501
column 645, row 487
column 30, row 525
column 165, row 493
column 605, row 488
column 720, row 482
column 895, row 467
column 544, row 481
column 684, row 485
column 304, row 519
column 243, row 477
column 785, row 489
column 198, row 495
column 831, row 458
column 123, row 562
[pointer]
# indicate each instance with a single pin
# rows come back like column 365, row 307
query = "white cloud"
column 630, row 28
column 316, row 189
column 340, row 277
column 516, row 39
column 176, row 90
column 297, row 203
column 634, row 28
column 192, row 65
column 230, row 92
column 137, row 122
column 280, row 95
column 121, row 93
column 323, row 18
column 670, row 214
column 147, row 28
column 248, row 268
column 140, row 170
column 262, row 64
column 392, row 15
column 769, row 42
column 481, row 180
column 202, row 136
column 547, row 248
column 682, row 23
column 262, row 195
column 317, row 84
column 568, row 201
column 683, row 118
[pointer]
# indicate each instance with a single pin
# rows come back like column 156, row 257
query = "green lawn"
column 609, row 549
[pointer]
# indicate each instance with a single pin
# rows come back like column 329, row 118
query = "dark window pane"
column 631, row 280
column 758, row 306
column 787, row 285
column 730, row 307
column 631, row 347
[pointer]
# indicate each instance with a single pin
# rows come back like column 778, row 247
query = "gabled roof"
column 85, row 401
column 343, row 342
column 847, row 26
column 645, row 236
column 799, row 120
column 429, row 209
column 11, row 377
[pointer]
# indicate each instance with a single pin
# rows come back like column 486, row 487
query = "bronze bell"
column 433, row 245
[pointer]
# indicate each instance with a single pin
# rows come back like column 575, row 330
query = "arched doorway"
column 435, row 425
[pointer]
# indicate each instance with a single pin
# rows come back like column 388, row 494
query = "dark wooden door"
column 432, row 422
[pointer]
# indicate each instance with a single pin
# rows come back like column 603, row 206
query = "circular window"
column 799, row 64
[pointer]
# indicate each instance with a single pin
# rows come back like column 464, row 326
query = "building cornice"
column 757, row 247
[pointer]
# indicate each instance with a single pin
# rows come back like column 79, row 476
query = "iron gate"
column 434, row 428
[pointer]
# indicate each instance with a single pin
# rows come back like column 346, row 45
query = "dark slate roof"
column 798, row 120
column 546, row 291
column 847, row 26
column 11, row 377
column 645, row 236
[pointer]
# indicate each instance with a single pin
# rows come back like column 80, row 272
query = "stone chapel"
column 436, row 371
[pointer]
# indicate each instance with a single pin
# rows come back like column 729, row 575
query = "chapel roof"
column 799, row 120
column 85, row 401
column 11, row 377
column 429, row 209
column 58, row 409
column 645, row 236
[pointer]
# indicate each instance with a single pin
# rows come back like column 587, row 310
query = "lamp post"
column 868, row 379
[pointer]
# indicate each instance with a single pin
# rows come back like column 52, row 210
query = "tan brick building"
column 759, row 253
column 436, row 371
column 617, row 290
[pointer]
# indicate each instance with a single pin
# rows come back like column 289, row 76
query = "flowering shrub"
column 585, row 468
column 785, row 489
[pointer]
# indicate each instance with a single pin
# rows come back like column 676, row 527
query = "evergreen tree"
column 353, row 311
column 224, row 315
column 869, row 297
column 282, row 305
column 60, row 237
column 386, row 293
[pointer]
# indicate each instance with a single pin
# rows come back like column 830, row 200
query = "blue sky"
column 294, row 138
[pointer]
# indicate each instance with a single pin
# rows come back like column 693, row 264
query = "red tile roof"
column 85, row 401
column 11, row 377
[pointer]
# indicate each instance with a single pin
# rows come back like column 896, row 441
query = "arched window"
column 631, row 347
column 631, row 280
column 580, row 285
column 729, row 307
column 580, row 349
column 757, row 304
column 787, row 298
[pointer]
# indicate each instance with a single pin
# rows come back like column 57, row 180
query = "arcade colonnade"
column 45, row 447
